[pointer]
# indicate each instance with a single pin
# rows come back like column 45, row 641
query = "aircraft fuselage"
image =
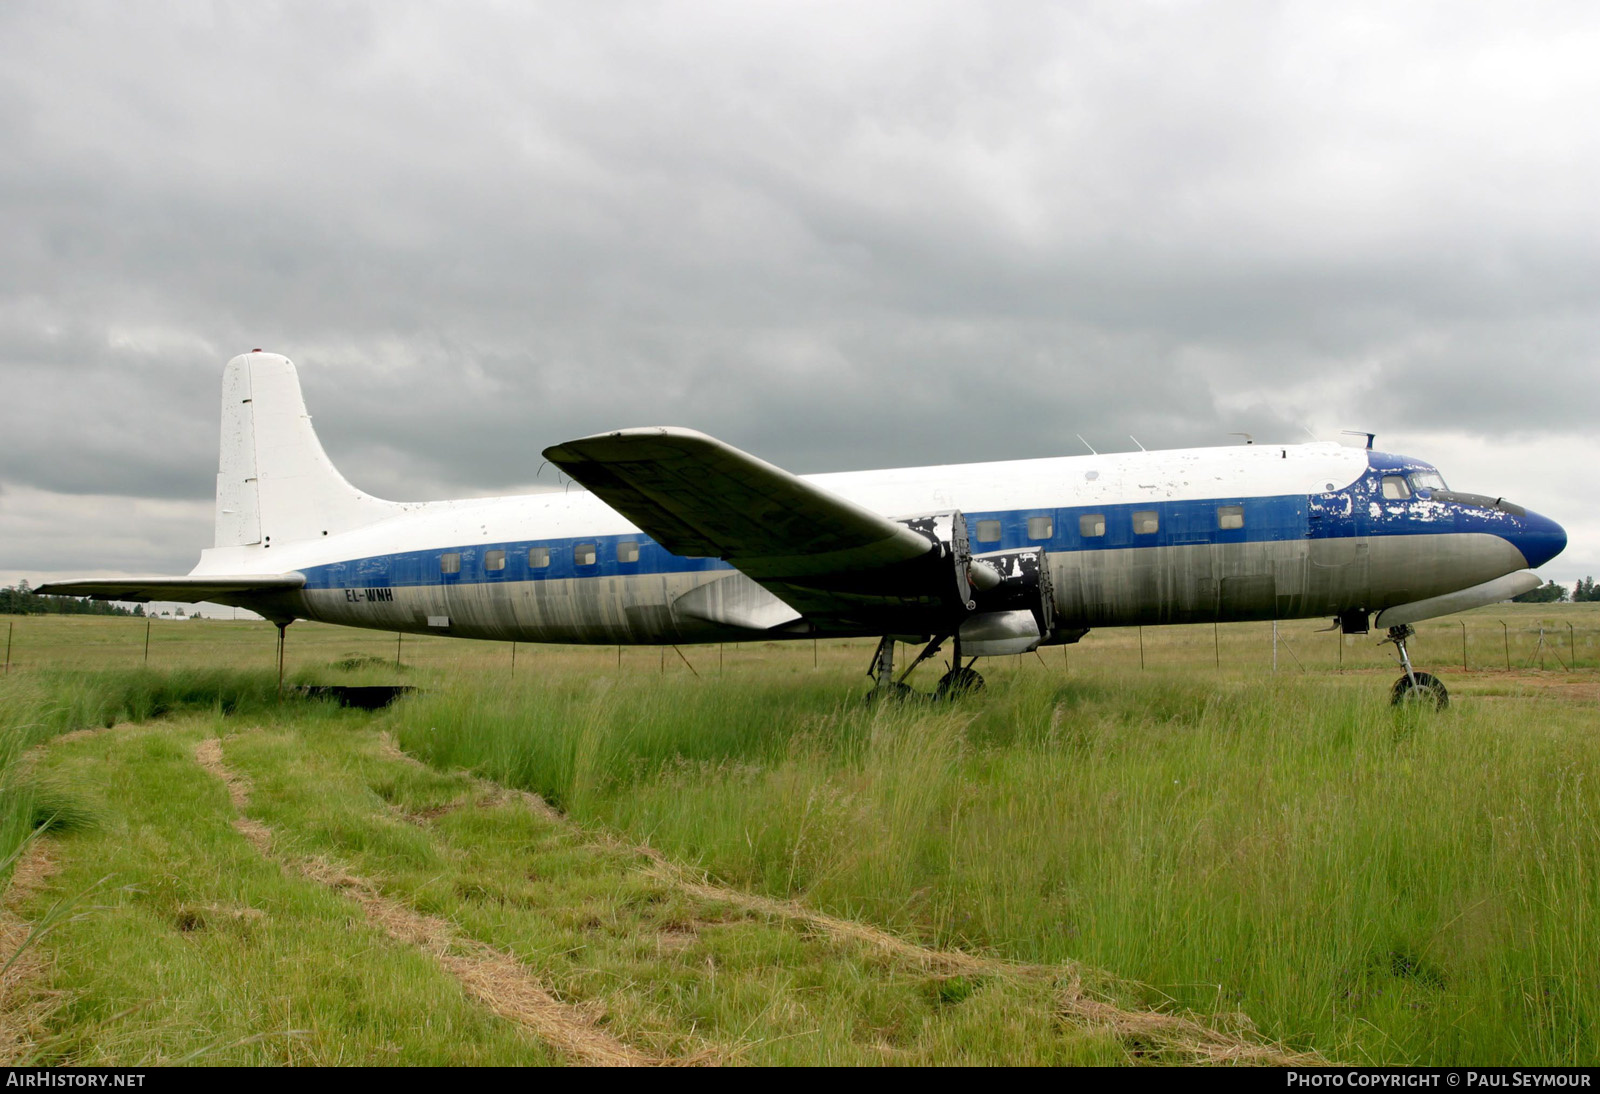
column 1199, row 535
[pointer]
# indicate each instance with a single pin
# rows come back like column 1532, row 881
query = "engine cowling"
column 1014, row 606
column 948, row 531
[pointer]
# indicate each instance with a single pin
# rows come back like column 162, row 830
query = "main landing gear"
column 1414, row 687
column 960, row 680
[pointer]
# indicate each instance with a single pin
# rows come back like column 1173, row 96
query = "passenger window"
column 538, row 557
column 628, row 551
column 1146, row 522
column 1041, row 527
column 1230, row 517
column 583, row 554
column 1395, row 488
column 450, row 564
column 1091, row 525
column 988, row 531
column 494, row 560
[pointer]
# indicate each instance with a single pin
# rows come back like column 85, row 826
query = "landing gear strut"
column 960, row 680
column 885, row 686
column 1414, row 687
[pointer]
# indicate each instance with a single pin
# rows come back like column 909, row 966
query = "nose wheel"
column 1414, row 687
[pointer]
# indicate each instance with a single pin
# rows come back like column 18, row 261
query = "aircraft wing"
column 221, row 589
column 699, row 497
column 830, row 559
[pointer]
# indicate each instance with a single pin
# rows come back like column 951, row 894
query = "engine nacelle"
column 1014, row 601
column 948, row 531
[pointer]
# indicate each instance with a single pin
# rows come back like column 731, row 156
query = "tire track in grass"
column 25, row 1006
column 1143, row 1033
column 493, row 977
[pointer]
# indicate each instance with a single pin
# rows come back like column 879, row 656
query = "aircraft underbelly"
column 1285, row 579
column 617, row 609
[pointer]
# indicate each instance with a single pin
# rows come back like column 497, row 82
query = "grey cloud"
column 835, row 236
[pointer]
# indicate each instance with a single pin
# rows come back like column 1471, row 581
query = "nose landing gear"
column 1414, row 687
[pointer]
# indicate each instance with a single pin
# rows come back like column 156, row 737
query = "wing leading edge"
column 842, row 566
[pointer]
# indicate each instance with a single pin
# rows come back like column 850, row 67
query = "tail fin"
column 275, row 484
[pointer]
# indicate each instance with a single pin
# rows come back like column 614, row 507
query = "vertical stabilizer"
column 275, row 484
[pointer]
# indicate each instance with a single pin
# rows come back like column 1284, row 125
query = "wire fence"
column 1514, row 639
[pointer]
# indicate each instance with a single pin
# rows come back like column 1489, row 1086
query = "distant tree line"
column 20, row 599
column 1550, row 593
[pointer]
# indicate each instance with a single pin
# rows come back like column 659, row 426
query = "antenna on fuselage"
column 1360, row 433
column 1135, row 440
column 1086, row 444
column 1248, row 439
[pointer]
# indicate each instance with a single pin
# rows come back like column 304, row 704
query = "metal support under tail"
column 282, row 628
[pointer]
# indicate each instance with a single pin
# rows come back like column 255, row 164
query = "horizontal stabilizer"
column 221, row 588
column 1490, row 592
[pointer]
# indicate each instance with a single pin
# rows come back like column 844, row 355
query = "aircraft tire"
column 893, row 693
column 958, row 682
column 1428, row 689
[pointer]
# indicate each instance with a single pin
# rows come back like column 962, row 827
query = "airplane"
column 681, row 538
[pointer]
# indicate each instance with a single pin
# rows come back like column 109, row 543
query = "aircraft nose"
column 1539, row 539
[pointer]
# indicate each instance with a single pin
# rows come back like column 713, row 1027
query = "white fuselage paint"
column 1285, row 576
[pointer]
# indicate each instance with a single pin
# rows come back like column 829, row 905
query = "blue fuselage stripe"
column 1355, row 511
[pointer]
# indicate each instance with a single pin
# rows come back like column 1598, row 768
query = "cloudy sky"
column 838, row 235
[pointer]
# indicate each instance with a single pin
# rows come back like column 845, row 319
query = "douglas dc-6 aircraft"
column 681, row 538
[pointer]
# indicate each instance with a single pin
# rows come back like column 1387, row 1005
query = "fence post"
column 1463, row 645
column 10, row 629
column 1572, row 648
column 1141, row 648
column 147, row 641
column 398, row 635
column 1216, row 644
column 1274, row 645
column 1505, row 636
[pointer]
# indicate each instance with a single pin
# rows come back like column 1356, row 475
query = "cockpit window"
column 1395, row 488
column 1427, row 480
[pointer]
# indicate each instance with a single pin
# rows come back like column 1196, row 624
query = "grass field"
column 1088, row 862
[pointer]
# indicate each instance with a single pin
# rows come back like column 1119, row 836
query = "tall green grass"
column 39, row 705
column 1400, row 887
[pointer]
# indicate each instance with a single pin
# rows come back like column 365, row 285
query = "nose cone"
column 1539, row 539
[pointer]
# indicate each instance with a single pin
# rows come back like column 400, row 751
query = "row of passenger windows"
column 1146, row 522
column 583, row 554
